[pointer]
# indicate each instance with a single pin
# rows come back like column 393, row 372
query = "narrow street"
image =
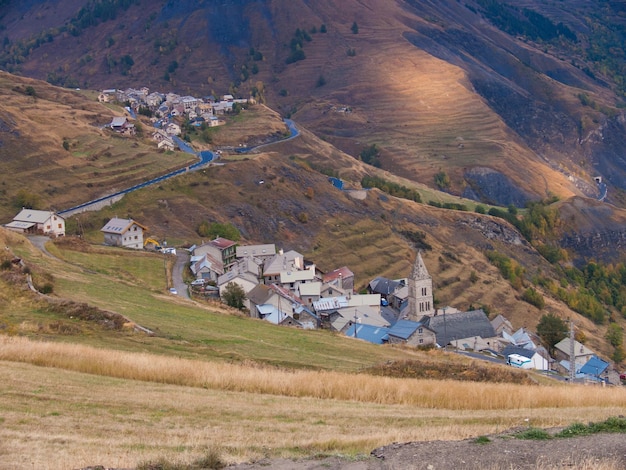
column 182, row 258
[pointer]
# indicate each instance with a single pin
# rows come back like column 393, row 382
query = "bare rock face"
column 492, row 187
column 494, row 229
column 600, row 245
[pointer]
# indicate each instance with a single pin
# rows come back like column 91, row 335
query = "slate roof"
column 519, row 351
column 459, row 325
column 260, row 294
column 384, row 286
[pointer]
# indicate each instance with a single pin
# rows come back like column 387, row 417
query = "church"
column 420, row 290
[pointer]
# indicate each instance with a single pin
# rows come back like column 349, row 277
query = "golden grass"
column 440, row 394
column 58, row 419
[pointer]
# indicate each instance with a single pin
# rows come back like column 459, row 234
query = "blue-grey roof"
column 594, row 366
column 384, row 286
column 404, row 328
column 369, row 333
column 518, row 350
column 459, row 325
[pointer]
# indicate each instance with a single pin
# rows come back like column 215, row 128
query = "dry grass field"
column 68, row 406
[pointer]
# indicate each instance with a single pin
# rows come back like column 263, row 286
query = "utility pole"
column 572, row 353
column 445, row 328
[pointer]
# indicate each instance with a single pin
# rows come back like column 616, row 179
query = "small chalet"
column 34, row 221
column 122, row 126
column 124, row 232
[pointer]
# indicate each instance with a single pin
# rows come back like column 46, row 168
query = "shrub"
column 216, row 229
column 482, row 440
column 47, row 288
column 533, row 434
column 533, row 297
column 442, row 180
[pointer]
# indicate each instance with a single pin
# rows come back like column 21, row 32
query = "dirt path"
column 503, row 452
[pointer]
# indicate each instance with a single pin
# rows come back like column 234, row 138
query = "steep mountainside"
column 448, row 98
column 518, row 96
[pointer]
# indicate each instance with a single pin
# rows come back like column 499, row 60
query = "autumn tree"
column 551, row 329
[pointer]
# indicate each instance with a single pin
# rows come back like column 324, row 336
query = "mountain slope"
column 439, row 86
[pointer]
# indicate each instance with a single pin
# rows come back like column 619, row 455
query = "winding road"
column 204, row 158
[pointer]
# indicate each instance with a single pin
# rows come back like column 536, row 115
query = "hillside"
column 39, row 121
column 295, row 206
column 473, row 89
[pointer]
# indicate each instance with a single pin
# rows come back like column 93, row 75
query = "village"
column 285, row 289
column 163, row 109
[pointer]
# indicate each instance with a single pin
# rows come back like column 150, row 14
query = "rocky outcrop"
column 492, row 187
column 493, row 229
column 602, row 246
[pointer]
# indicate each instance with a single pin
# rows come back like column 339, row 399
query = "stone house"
column 460, row 325
column 411, row 333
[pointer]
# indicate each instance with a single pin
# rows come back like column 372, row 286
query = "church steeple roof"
column 419, row 268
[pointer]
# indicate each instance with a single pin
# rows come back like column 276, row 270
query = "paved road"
column 293, row 133
column 40, row 242
column 205, row 157
column 182, row 258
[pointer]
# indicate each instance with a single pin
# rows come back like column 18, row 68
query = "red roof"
column 337, row 273
column 222, row 243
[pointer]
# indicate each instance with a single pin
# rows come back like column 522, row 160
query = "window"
column 420, row 331
column 421, row 341
column 59, row 226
